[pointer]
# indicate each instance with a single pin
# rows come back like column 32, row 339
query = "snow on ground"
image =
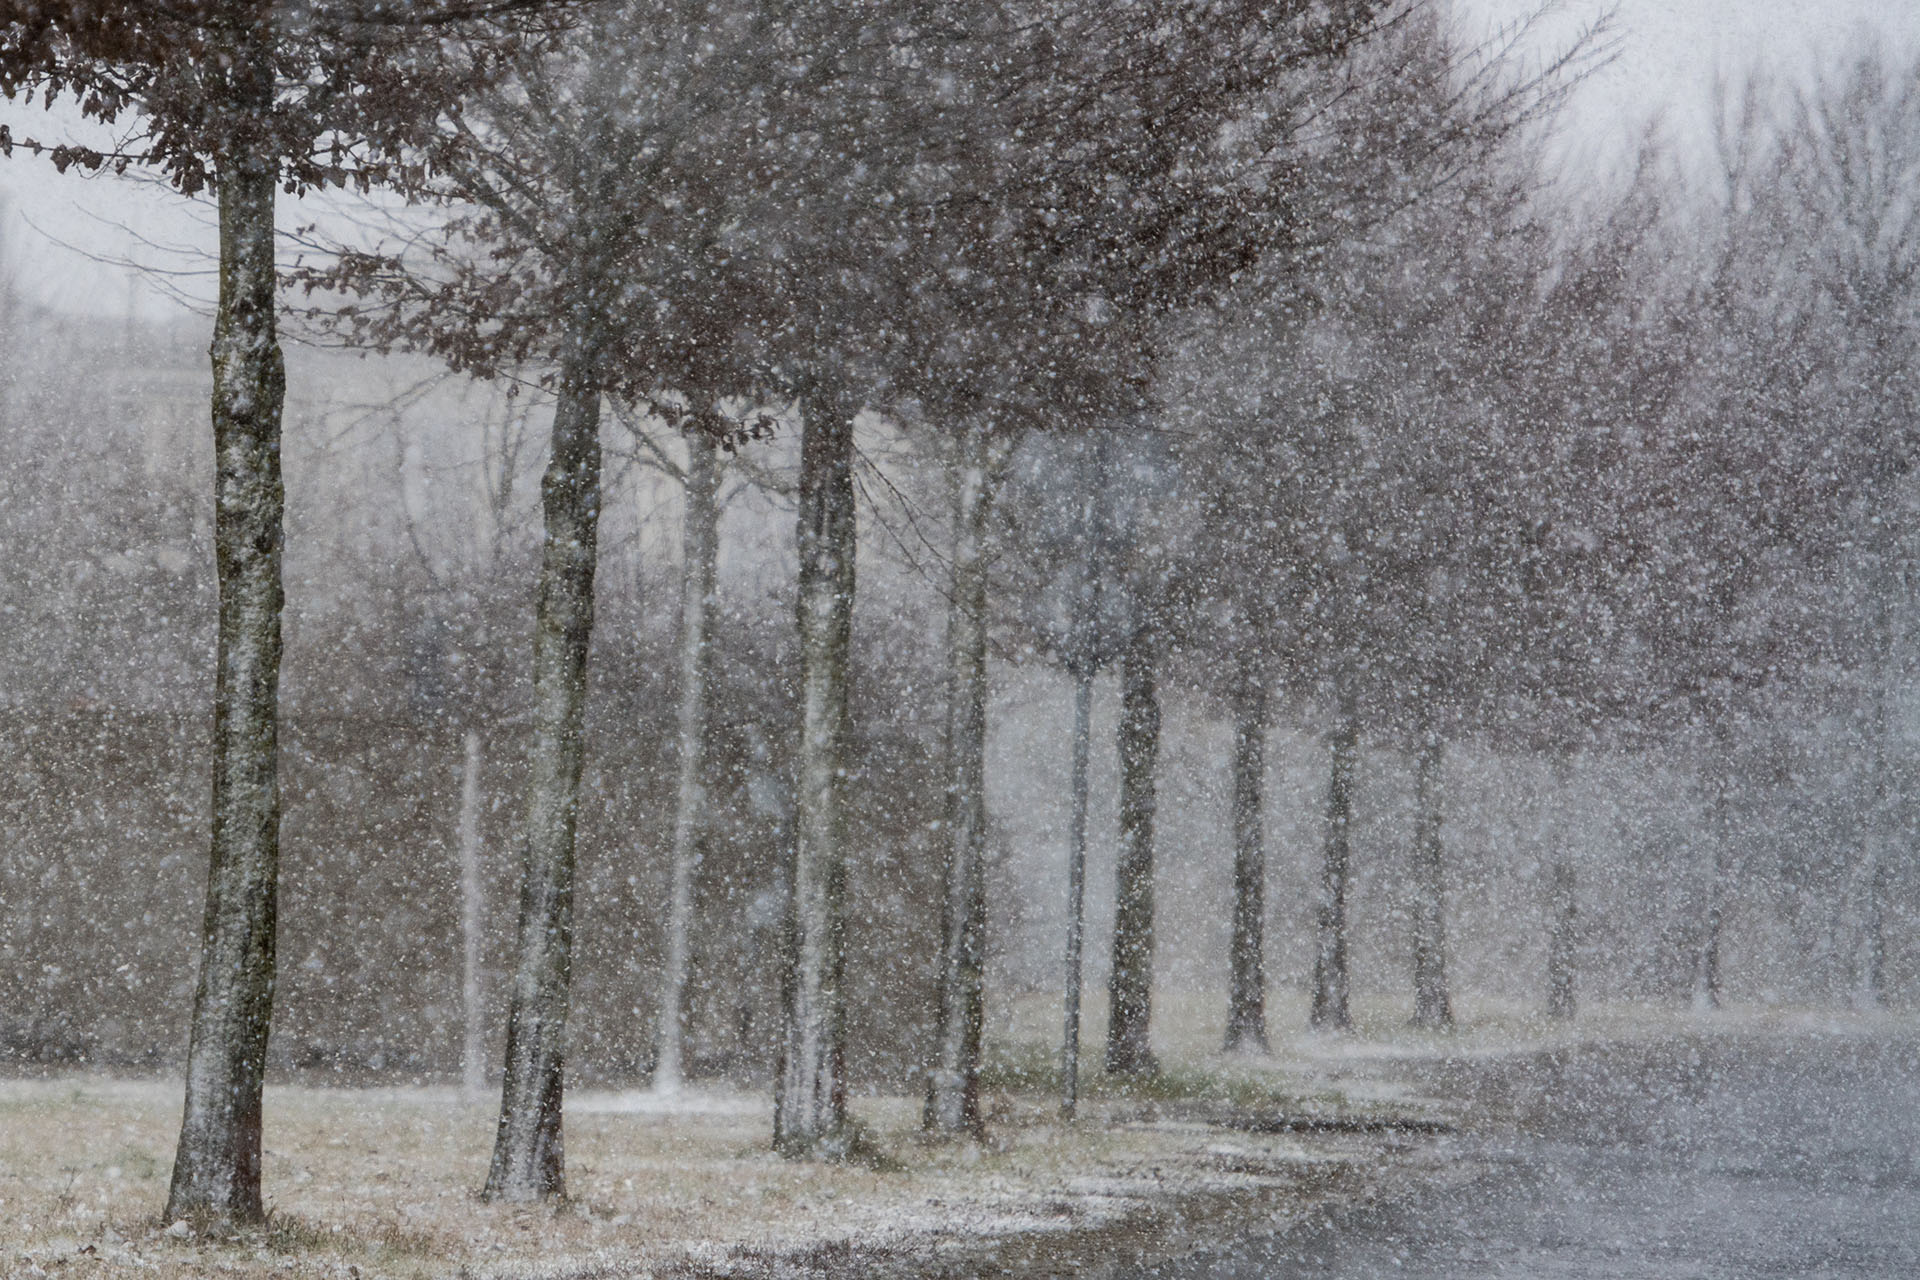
column 383, row 1181
column 380, row 1182
column 679, row 1102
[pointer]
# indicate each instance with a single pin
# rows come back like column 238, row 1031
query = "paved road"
column 1715, row 1160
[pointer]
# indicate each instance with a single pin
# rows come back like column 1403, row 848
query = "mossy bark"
column 699, row 553
column 216, row 1171
column 953, row 1081
column 1247, row 970
column 1432, row 1005
column 810, row 1098
column 1130, row 984
column 1330, row 1010
column 528, row 1157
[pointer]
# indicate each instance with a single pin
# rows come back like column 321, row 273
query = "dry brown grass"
column 380, row 1183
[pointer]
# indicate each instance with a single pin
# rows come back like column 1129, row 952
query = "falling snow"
column 841, row 639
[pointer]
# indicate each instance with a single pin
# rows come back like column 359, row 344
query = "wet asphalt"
column 1717, row 1159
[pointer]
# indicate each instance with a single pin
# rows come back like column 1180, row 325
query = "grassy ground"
column 366, row 1183
column 381, row 1184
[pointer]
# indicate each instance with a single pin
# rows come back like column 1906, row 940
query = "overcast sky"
column 1669, row 52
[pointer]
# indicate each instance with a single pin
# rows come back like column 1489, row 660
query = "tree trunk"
column 1247, row 981
column 953, row 1084
column 810, row 1100
column 1130, row 985
column 1076, row 883
column 473, row 1055
column 1432, row 1009
column 1706, row 970
column 700, row 543
column 1330, row 986
column 528, row 1161
column 1562, row 902
column 1870, row 983
column 216, row 1170
column 1562, row 936
column 1869, row 941
column 1083, row 665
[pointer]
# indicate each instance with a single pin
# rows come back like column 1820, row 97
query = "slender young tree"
column 529, row 1152
column 1338, row 406
column 1329, row 1011
column 1885, row 814
column 473, row 1063
column 586, row 243
column 1130, row 986
column 1562, row 904
column 1432, row 1004
column 707, row 433
column 528, row 1156
column 953, row 1091
column 831, row 241
column 1247, row 978
column 1562, row 939
column 1719, row 844
column 1055, row 588
column 452, row 559
column 1084, row 659
column 699, row 555
column 1083, row 672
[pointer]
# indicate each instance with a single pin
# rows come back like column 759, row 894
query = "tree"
column 1204, row 188
column 245, row 97
column 835, row 257
column 1792, row 422
column 699, row 476
column 997, row 346
column 1057, row 584
column 1082, row 177
column 679, row 239
column 810, row 1115
column 1246, row 951
column 1344, row 548
column 1853, row 145
column 699, row 557
column 953, row 1090
column 458, row 653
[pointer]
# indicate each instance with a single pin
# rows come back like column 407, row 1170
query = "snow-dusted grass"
column 381, row 1181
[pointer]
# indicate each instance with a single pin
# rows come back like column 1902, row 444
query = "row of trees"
column 1560, row 488
column 578, row 135
column 1613, row 487
column 1585, row 479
